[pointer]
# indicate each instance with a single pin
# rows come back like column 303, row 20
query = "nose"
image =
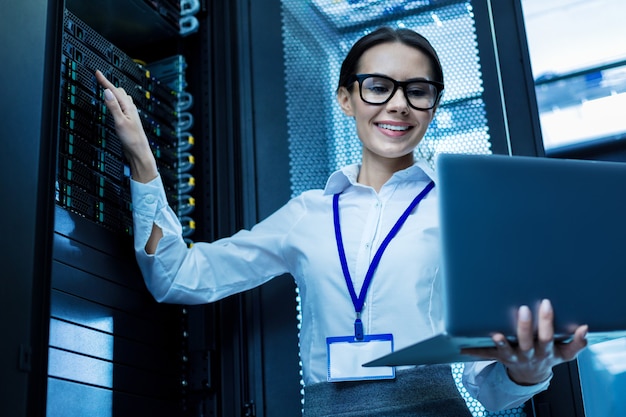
column 398, row 102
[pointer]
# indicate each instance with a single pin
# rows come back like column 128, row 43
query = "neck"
column 376, row 172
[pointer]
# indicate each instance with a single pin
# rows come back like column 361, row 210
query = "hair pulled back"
column 382, row 35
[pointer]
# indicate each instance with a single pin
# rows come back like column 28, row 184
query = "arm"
column 207, row 272
column 134, row 142
column 172, row 271
column 489, row 383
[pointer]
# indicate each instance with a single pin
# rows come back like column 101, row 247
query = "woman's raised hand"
column 129, row 130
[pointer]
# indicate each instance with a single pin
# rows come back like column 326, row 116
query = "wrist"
column 142, row 163
column 143, row 169
column 526, row 380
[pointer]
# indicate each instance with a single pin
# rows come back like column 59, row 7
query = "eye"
column 377, row 85
column 419, row 90
column 378, row 89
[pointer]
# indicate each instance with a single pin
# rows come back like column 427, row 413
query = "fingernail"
column 546, row 306
column 108, row 95
column 524, row 313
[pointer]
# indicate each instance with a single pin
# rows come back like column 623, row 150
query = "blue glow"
column 80, row 368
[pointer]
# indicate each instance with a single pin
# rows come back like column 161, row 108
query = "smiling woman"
column 385, row 229
column 318, row 149
column 461, row 120
column 391, row 128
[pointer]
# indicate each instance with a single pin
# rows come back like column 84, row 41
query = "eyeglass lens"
column 377, row 90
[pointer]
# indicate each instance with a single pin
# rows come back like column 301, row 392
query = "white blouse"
column 404, row 297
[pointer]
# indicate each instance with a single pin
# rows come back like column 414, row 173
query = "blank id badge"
column 346, row 355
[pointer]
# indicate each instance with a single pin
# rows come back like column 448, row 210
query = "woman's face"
column 391, row 130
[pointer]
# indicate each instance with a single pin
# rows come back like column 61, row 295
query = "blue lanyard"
column 359, row 300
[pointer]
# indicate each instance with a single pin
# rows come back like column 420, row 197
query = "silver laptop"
column 515, row 230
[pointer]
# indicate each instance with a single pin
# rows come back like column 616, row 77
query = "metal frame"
column 509, row 85
column 27, row 183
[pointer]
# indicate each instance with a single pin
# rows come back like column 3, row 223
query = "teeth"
column 393, row 127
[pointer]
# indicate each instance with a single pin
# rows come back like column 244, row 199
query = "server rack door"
column 86, row 337
column 26, row 183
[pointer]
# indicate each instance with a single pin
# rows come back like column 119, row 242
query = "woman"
column 363, row 251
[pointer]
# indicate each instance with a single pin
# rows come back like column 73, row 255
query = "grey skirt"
column 427, row 391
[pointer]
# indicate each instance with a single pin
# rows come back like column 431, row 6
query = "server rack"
column 230, row 369
column 90, row 341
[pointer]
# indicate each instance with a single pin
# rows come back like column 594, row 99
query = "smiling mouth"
column 395, row 128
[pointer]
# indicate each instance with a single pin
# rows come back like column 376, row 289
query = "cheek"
column 362, row 118
column 424, row 120
column 361, row 129
column 363, row 124
column 423, row 127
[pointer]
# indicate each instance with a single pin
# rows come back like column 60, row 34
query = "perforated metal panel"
column 314, row 50
column 317, row 36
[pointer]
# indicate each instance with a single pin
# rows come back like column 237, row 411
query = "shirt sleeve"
column 489, row 383
column 205, row 272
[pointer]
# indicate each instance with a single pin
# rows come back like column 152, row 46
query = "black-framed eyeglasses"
column 378, row 89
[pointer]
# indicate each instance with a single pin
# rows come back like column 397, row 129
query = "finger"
column 113, row 104
column 545, row 325
column 569, row 351
column 118, row 93
column 506, row 352
column 525, row 334
column 488, row 352
column 545, row 329
column 104, row 81
column 502, row 351
column 109, row 88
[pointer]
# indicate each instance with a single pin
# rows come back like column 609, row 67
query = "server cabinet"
column 85, row 338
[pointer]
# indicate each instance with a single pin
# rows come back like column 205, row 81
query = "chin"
column 408, row 155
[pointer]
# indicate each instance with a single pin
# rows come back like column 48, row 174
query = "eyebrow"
column 407, row 80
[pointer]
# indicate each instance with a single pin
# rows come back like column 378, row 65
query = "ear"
column 344, row 100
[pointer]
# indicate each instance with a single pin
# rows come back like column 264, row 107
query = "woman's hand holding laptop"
column 531, row 359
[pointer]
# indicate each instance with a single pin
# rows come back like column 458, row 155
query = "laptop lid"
column 516, row 230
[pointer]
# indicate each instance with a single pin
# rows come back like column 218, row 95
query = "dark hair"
column 382, row 35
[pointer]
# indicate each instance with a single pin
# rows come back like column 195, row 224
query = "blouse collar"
column 347, row 176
